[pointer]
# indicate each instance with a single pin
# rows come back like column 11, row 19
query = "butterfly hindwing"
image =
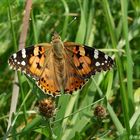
column 73, row 79
column 48, row 79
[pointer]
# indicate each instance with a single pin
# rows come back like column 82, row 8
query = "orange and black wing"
column 36, row 62
column 82, row 62
column 86, row 60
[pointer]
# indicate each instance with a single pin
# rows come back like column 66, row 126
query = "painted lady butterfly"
column 60, row 67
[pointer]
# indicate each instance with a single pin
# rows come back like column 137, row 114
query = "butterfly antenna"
column 69, row 24
column 72, row 20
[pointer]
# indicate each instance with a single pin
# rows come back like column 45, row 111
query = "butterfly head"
column 56, row 38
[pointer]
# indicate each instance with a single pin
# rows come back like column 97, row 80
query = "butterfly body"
column 60, row 66
column 59, row 61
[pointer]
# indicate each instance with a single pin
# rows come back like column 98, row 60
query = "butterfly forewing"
column 30, row 60
column 88, row 60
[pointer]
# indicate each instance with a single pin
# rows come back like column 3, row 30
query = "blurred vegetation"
column 114, row 27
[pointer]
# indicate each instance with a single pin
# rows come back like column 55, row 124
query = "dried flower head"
column 100, row 111
column 47, row 107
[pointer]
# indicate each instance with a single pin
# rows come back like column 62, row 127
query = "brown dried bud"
column 47, row 107
column 100, row 111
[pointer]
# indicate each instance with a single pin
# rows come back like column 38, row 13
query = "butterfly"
column 60, row 67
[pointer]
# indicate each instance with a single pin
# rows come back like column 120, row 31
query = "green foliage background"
column 111, row 25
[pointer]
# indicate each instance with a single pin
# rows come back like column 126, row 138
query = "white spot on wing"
column 97, row 64
column 23, row 63
column 96, row 56
column 15, row 60
column 106, row 56
column 23, row 71
column 11, row 67
column 14, row 55
column 23, row 53
column 96, row 53
column 18, row 63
